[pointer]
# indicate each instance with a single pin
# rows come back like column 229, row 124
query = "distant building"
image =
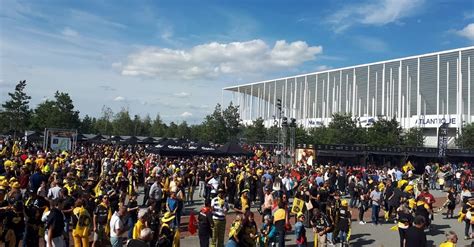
column 419, row 91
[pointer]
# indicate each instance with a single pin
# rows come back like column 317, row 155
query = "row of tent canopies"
column 171, row 147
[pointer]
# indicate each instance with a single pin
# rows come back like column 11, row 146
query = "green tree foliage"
column 158, row 128
column 122, row 123
column 232, row 120
column 172, row 130
column 183, row 131
column 343, row 130
column 87, row 125
column 68, row 117
column 385, row 133
column 214, row 126
column 103, row 125
column 414, row 138
column 255, row 132
column 57, row 113
column 466, row 137
column 16, row 111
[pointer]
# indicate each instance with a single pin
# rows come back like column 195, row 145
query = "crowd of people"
column 91, row 196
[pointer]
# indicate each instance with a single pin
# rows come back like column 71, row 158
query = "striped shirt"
column 219, row 208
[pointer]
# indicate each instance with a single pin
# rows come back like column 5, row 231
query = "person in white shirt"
column 214, row 183
column 53, row 192
column 118, row 231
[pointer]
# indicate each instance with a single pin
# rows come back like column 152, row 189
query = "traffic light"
column 284, row 121
column 279, row 104
column 293, row 122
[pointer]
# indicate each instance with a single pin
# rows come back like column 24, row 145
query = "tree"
column 146, row 126
column 255, row 132
column 466, row 137
column 172, row 130
column 183, row 130
column 68, row 118
column 318, row 135
column 122, row 124
column 46, row 115
column 232, row 120
column 16, row 111
column 343, row 130
column 214, row 127
column 158, row 128
column 103, row 125
column 385, row 133
column 87, row 125
column 414, row 137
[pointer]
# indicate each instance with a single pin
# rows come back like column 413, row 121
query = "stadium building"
column 419, row 91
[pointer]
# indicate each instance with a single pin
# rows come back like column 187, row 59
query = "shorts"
column 100, row 235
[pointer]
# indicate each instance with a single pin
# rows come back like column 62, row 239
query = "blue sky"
column 174, row 57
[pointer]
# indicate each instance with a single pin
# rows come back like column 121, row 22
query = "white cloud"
column 119, row 98
column 182, row 95
column 467, row 32
column 69, row 32
column 186, row 114
column 322, row 68
column 373, row 12
column 214, row 59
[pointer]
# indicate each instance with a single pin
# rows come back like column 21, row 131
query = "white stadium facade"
column 419, row 91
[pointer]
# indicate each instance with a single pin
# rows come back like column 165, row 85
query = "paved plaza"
column 362, row 235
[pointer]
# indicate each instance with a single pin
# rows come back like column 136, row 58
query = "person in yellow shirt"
column 81, row 221
column 451, row 240
column 140, row 225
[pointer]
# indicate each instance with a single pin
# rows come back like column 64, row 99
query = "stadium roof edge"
column 232, row 88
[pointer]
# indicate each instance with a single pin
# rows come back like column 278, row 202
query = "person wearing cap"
column 140, row 225
column 166, row 236
column 220, row 208
column 243, row 206
column 14, row 195
column 423, row 209
column 300, row 231
column 156, row 194
column 344, row 223
column 205, row 224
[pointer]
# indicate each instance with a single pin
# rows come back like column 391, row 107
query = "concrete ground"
column 362, row 235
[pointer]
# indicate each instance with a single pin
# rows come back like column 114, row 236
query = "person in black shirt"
column 66, row 204
column 132, row 209
column 34, row 207
column 100, row 220
column 55, row 226
column 14, row 224
column 415, row 235
column 205, row 224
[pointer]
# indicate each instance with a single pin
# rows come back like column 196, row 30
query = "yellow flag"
column 298, row 205
column 176, row 238
column 316, row 240
column 394, row 228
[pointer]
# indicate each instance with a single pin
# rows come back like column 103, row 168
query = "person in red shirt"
column 429, row 199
